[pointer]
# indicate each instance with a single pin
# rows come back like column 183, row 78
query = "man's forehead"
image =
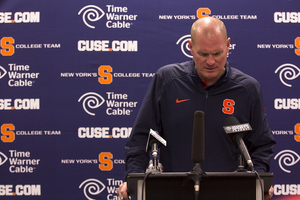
column 210, row 47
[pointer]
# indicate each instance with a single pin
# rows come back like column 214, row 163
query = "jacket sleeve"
column 137, row 159
column 260, row 141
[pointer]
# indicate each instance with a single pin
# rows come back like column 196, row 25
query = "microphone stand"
column 196, row 175
column 154, row 151
column 156, row 166
column 241, row 166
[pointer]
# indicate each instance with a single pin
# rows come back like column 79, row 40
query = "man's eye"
column 203, row 54
column 218, row 53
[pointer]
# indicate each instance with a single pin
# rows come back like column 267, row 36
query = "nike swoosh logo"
column 183, row 100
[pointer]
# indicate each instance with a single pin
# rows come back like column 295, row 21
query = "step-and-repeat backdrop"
column 73, row 75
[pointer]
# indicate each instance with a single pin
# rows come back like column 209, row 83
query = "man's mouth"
column 210, row 68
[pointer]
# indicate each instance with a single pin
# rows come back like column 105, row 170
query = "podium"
column 213, row 186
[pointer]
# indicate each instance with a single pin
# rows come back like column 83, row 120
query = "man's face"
column 210, row 55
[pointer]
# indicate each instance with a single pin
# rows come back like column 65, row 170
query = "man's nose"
column 210, row 60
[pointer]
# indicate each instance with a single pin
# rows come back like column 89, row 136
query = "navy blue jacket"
column 163, row 110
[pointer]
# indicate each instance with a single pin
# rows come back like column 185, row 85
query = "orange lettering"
column 7, row 133
column 297, row 131
column 228, row 106
column 203, row 12
column 105, row 160
column 297, row 44
column 8, row 48
column 105, row 75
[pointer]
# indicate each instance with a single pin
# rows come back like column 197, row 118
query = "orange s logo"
column 105, row 75
column 297, row 131
column 7, row 45
column 203, row 12
column 297, row 44
column 7, row 133
column 228, row 106
column 105, row 160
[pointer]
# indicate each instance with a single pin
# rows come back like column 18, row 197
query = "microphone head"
column 154, row 137
column 233, row 128
column 198, row 142
column 231, row 120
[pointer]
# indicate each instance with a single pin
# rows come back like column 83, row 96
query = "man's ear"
column 190, row 45
column 228, row 42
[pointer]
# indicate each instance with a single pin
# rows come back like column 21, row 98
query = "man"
column 206, row 83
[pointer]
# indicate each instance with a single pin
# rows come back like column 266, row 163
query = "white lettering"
column 104, row 132
column 20, row 17
column 287, row 17
column 20, row 104
column 103, row 45
column 287, row 189
column 287, row 104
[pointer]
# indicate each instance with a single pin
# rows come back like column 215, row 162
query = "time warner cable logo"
column 287, row 158
column 92, row 13
column 185, row 49
column 184, row 46
column 117, row 104
column 2, row 72
column 91, row 100
column 92, row 187
column 3, row 158
column 287, row 72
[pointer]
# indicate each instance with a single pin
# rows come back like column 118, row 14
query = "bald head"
column 208, row 27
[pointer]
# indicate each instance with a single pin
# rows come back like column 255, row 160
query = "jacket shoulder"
column 170, row 72
column 245, row 80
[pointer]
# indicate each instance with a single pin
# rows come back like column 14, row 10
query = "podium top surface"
column 208, row 174
column 210, row 178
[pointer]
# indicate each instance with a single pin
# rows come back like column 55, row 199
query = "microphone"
column 154, row 142
column 237, row 132
column 154, row 137
column 198, row 142
column 198, row 150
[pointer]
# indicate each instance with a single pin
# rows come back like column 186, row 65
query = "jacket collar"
column 224, row 76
